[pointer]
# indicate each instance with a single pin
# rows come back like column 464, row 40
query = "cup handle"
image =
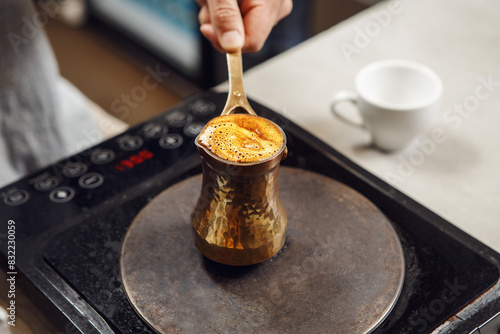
column 345, row 96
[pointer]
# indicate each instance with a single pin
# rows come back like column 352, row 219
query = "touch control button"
column 74, row 169
column 16, row 197
column 202, row 108
column 179, row 118
column 46, row 183
column 102, row 156
column 91, row 180
column 171, row 141
column 62, row 195
column 155, row 130
column 129, row 143
column 193, row 129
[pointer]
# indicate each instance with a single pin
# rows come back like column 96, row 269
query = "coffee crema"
column 241, row 138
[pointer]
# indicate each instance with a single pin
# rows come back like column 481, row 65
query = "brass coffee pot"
column 239, row 218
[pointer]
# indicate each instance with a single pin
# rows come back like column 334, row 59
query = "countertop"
column 457, row 176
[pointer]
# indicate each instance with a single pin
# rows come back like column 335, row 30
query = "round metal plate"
column 341, row 269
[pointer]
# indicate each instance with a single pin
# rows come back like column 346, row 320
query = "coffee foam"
column 241, row 138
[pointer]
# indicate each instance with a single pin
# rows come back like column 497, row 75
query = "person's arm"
column 231, row 25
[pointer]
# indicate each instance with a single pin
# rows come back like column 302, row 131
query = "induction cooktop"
column 62, row 228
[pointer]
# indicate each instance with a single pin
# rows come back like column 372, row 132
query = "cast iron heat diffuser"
column 341, row 268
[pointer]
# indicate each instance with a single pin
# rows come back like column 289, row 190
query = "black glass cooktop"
column 71, row 219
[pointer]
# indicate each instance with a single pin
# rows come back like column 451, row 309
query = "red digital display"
column 133, row 160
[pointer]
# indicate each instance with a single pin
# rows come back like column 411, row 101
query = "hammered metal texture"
column 239, row 218
column 340, row 271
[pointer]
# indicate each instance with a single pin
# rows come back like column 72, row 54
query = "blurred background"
column 109, row 48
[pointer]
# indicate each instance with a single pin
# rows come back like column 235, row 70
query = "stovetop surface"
column 73, row 216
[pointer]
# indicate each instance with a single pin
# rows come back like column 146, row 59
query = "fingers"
column 259, row 19
column 222, row 24
column 231, row 25
column 206, row 27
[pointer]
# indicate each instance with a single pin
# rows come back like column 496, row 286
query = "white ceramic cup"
column 396, row 99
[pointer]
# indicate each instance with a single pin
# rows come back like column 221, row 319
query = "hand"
column 231, row 25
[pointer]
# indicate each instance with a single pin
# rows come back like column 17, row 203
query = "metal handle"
column 492, row 326
column 236, row 98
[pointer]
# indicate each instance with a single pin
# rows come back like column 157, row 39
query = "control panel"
column 85, row 180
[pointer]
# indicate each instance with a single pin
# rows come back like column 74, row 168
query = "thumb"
column 227, row 23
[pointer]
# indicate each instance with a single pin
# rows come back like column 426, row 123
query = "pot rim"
column 283, row 149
